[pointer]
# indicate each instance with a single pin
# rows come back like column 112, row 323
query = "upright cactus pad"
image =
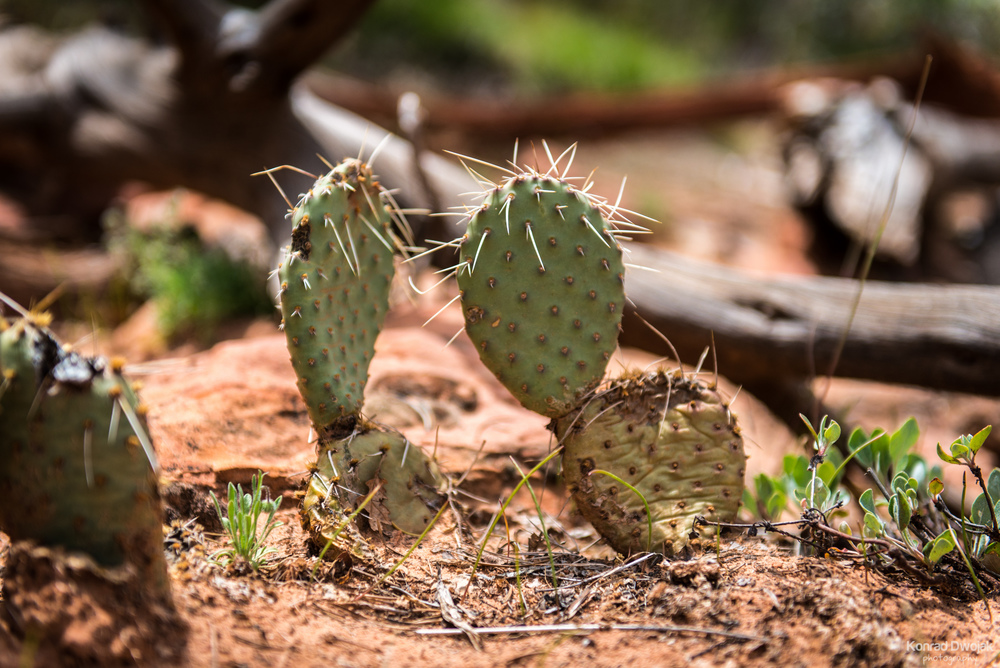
column 75, row 457
column 335, row 280
column 673, row 439
column 542, row 288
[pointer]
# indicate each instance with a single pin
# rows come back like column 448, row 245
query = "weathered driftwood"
column 961, row 79
column 844, row 154
column 81, row 116
column 768, row 329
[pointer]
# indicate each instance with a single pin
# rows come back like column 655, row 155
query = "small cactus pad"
column 671, row 437
column 75, row 457
column 335, row 280
column 348, row 468
column 542, row 289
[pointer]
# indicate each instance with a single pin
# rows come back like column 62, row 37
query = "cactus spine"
column 77, row 469
column 541, row 280
column 334, row 291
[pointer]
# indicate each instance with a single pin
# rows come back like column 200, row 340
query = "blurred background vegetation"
column 528, row 46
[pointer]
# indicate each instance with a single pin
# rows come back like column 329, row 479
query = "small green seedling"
column 240, row 522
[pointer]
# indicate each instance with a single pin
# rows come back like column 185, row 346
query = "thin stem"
column 649, row 515
column 541, row 520
column 503, row 507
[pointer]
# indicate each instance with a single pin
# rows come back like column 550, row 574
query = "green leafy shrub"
column 905, row 519
column 195, row 287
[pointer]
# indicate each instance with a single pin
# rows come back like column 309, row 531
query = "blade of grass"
column 873, row 247
column 852, row 455
column 503, row 507
column 649, row 515
column 420, row 538
column 972, row 572
column 541, row 521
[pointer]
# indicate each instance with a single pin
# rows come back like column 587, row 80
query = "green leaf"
column 846, row 528
column 901, row 442
column 993, row 485
column 820, row 493
column 960, row 451
column 945, row 457
column 899, row 508
column 839, row 498
column 832, row 433
column 899, row 482
column 935, row 486
column 825, row 472
column 857, row 439
column 980, row 438
column 809, row 426
column 916, row 468
column 938, row 547
column 798, row 469
column 873, row 524
column 764, row 486
column 980, row 512
column 776, row 504
column 867, row 501
column 881, row 458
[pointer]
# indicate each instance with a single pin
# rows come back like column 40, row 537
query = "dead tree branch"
column 99, row 109
column 766, row 329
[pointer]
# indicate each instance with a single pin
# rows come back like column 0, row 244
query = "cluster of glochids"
column 77, row 467
column 335, row 279
column 541, row 279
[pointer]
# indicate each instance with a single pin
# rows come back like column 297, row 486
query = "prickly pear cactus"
column 334, row 281
column 672, row 438
column 542, row 289
column 334, row 290
column 409, row 494
column 77, row 468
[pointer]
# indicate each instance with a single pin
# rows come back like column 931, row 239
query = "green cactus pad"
column 542, row 290
column 348, row 468
column 75, row 469
column 335, row 280
column 671, row 437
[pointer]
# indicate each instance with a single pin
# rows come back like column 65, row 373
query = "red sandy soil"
column 219, row 415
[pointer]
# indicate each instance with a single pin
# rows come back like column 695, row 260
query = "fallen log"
column 766, row 328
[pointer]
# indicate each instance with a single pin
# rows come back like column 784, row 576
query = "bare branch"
column 192, row 25
column 287, row 36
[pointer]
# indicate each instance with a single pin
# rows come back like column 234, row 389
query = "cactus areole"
column 334, row 290
column 669, row 436
column 542, row 288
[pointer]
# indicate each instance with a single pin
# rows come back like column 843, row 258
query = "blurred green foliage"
column 527, row 45
column 195, row 288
